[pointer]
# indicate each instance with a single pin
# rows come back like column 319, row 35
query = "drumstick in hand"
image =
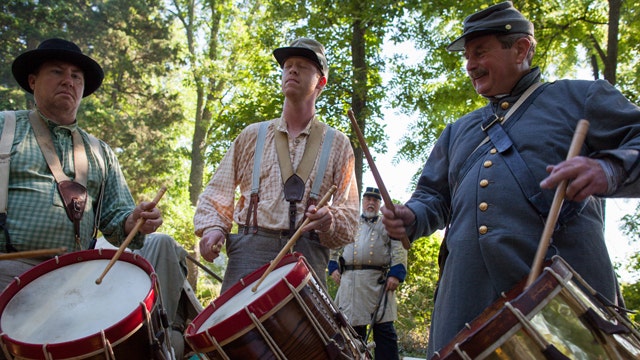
column 576, row 144
column 32, row 253
column 376, row 175
column 130, row 237
column 293, row 239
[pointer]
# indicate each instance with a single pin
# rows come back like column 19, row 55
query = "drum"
column 559, row 316
column 289, row 316
column 57, row 311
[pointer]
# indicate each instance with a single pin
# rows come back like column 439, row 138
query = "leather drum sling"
column 6, row 142
column 73, row 192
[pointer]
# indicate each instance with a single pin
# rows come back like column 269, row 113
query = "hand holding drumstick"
column 145, row 212
column 293, row 239
column 388, row 204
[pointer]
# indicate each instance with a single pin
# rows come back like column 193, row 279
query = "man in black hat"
column 282, row 168
column 368, row 272
column 63, row 185
column 491, row 176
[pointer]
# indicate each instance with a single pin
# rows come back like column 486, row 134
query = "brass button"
column 493, row 150
column 504, row 105
column 488, row 163
column 484, row 182
column 483, row 206
column 483, row 229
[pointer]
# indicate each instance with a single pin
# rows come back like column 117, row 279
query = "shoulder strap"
column 519, row 169
column 322, row 162
column 310, row 152
column 98, row 152
column 8, row 132
column 257, row 157
column 255, row 178
column 527, row 98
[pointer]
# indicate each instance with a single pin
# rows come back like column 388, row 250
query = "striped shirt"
column 36, row 217
column 216, row 203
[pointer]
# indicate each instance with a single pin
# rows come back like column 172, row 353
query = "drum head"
column 59, row 303
column 226, row 316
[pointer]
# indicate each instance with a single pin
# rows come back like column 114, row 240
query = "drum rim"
column 115, row 333
column 240, row 322
column 481, row 332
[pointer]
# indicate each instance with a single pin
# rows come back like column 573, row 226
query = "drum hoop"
column 115, row 334
column 262, row 307
column 482, row 330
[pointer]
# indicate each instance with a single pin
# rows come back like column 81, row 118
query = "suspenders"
column 323, row 160
column 6, row 141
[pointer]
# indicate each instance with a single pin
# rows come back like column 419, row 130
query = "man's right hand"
column 211, row 244
column 395, row 221
column 335, row 275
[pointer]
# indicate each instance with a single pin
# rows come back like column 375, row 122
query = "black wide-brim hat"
column 61, row 50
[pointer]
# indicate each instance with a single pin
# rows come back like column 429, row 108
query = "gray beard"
column 369, row 214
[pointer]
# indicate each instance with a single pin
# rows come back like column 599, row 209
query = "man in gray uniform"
column 372, row 268
column 492, row 174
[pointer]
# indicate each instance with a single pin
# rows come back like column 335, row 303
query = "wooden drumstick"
column 130, row 237
column 376, row 175
column 293, row 239
column 32, row 253
column 576, row 144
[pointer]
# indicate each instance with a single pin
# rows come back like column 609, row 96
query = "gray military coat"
column 494, row 229
column 360, row 290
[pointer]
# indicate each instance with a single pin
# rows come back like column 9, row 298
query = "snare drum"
column 289, row 316
column 57, row 311
column 559, row 316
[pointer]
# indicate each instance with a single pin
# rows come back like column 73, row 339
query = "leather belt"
column 263, row 231
column 283, row 233
column 363, row 267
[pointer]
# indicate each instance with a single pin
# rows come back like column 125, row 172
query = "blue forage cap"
column 501, row 18
column 374, row 192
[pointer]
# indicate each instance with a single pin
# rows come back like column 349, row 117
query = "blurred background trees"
column 184, row 77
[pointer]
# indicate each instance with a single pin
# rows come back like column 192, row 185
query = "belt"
column 284, row 233
column 264, row 231
column 363, row 267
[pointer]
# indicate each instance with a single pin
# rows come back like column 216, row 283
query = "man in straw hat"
column 60, row 176
column 282, row 168
column 491, row 177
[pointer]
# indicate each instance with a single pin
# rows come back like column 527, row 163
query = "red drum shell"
column 240, row 321
column 289, row 316
column 91, row 343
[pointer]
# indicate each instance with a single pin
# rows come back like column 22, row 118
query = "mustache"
column 474, row 74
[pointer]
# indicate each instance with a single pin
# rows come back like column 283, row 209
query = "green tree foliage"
column 183, row 78
column 134, row 111
column 415, row 296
